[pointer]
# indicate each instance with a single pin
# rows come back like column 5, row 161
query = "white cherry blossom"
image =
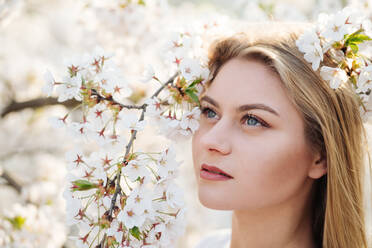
column 129, row 216
column 148, row 74
column 58, row 122
column 86, row 234
column 107, row 80
column 174, row 195
column 70, row 88
column 167, row 164
column 366, row 74
column 336, row 27
column 365, row 80
column 73, row 206
column 141, row 199
column 190, row 120
column 335, row 76
column 78, row 130
column 97, row 55
column 116, row 230
column 190, row 69
column 131, row 121
column 99, row 174
column 174, row 42
column 165, row 239
column 314, row 56
column 154, row 107
column 309, row 44
column 171, row 129
column 74, row 158
column 121, row 91
column 98, row 128
column 49, row 83
column 134, row 169
column 367, row 26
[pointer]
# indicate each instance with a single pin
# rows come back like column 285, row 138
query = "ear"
column 318, row 167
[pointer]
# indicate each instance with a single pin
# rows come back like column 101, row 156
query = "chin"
column 214, row 201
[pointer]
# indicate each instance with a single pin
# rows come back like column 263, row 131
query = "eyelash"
column 204, row 111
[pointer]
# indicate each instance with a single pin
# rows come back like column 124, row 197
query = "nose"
column 217, row 138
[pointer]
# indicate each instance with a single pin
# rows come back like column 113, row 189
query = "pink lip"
column 210, row 172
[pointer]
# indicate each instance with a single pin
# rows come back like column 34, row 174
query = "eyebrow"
column 243, row 107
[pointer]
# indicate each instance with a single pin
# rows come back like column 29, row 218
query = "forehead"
column 241, row 81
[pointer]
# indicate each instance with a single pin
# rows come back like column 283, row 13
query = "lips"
column 214, row 169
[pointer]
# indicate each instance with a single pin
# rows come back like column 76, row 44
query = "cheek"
column 195, row 151
column 272, row 171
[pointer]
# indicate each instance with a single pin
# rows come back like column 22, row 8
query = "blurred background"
column 36, row 35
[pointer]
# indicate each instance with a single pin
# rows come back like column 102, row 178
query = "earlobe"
column 318, row 168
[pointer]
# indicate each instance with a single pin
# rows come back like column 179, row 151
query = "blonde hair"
column 333, row 127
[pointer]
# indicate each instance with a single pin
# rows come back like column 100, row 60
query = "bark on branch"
column 11, row 181
column 36, row 103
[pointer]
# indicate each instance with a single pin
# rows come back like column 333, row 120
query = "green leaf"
column 357, row 39
column 192, row 95
column 141, row 2
column 81, row 185
column 114, row 244
column 182, row 82
column 353, row 80
column 135, row 232
column 17, row 222
column 346, row 36
column 354, row 47
column 267, row 8
column 194, row 83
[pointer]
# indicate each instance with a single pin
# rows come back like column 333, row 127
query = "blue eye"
column 206, row 111
column 252, row 121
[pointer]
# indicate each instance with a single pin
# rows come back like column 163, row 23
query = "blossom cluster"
column 33, row 202
column 21, row 227
column 116, row 196
column 343, row 37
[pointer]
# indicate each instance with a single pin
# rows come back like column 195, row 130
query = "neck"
column 285, row 226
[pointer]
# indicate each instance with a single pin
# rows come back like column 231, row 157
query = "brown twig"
column 11, row 181
column 128, row 147
column 111, row 99
column 36, row 103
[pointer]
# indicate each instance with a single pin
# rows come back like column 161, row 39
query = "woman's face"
column 250, row 129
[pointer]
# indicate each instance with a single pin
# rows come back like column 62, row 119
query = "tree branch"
column 128, row 147
column 11, row 181
column 48, row 101
column 113, row 102
column 36, row 103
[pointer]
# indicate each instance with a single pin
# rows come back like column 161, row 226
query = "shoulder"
column 216, row 239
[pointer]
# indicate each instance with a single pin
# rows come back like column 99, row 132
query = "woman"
column 279, row 147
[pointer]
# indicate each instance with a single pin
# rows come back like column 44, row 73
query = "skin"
column 272, row 165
